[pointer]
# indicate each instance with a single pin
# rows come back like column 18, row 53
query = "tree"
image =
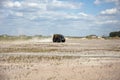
column 114, row 34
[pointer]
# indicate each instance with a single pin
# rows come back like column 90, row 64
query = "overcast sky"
column 68, row 17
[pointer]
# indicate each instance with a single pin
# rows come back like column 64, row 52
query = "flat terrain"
column 76, row 59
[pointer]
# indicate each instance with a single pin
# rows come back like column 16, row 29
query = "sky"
column 67, row 17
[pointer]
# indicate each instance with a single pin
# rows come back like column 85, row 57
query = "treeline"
column 19, row 37
column 114, row 34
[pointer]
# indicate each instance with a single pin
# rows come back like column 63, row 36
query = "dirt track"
column 74, row 60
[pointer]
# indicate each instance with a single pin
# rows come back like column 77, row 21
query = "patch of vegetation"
column 7, row 50
column 114, row 34
column 19, row 37
column 11, row 38
column 33, row 58
column 91, row 37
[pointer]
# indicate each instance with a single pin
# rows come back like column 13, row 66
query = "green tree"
column 114, row 34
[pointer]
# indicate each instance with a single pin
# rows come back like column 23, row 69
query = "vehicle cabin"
column 58, row 38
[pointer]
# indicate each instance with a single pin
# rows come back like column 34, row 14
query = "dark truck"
column 58, row 38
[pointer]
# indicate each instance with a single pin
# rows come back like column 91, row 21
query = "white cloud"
column 83, row 14
column 12, row 4
column 65, row 4
column 101, row 22
column 54, row 15
column 109, row 11
column 18, row 14
column 43, row 4
column 106, row 1
column 24, row 4
column 17, row 4
column 97, row 2
column 112, row 1
column 34, row 5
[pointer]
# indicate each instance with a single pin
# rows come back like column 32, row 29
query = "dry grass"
column 72, row 45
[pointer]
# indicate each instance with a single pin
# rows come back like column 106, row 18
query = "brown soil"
column 74, row 60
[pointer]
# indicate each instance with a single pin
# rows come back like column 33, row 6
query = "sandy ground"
column 74, row 60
